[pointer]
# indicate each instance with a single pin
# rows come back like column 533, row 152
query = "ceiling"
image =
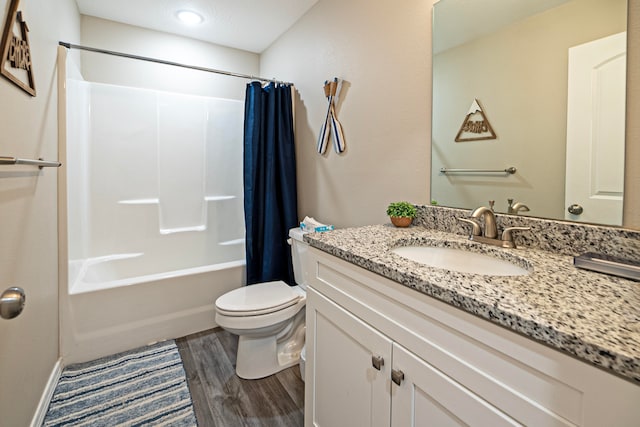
column 243, row 24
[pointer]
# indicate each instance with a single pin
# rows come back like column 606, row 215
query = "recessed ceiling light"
column 189, row 17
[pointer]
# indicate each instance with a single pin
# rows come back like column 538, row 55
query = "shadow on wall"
column 306, row 178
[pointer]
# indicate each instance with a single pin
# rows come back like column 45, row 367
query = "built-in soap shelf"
column 183, row 229
column 219, row 198
column 232, row 242
column 139, row 202
column 188, row 228
column 156, row 201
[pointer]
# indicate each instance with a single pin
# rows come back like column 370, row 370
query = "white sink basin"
column 460, row 260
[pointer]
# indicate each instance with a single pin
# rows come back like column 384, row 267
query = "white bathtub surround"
column 144, row 162
column 114, row 271
column 154, row 215
column 181, row 145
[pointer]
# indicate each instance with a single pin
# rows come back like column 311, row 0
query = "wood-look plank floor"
column 222, row 399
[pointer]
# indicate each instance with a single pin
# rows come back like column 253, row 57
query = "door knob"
column 12, row 302
column 377, row 362
column 575, row 209
column 397, row 376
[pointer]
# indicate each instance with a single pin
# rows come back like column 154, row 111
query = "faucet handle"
column 507, row 236
column 476, row 230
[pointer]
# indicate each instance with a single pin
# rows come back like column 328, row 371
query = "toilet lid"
column 262, row 298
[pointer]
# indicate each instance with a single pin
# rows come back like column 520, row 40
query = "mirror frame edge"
column 631, row 201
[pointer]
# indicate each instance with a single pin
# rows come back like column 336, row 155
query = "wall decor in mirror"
column 475, row 126
column 552, row 75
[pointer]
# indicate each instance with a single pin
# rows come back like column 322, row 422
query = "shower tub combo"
column 151, row 214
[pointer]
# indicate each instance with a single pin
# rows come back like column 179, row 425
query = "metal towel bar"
column 4, row 160
column 509, row 170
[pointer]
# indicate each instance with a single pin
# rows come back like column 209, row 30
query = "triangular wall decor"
column 475, row 127
column 16, row 62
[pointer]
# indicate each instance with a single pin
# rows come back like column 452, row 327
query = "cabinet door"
column 427, row 397
column 343, row 387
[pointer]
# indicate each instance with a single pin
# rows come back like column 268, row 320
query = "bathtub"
column 151, row 214
column 110, row 308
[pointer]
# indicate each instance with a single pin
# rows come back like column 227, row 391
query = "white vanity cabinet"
column 365, row 332
column 425, row 396
column 355, row 367
column 348, row 389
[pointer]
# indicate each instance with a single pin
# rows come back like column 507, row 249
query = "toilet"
column 268, row 319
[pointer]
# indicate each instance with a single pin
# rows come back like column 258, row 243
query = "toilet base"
column 259, row 359
column 265, row 356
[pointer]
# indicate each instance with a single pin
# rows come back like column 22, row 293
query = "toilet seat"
column 256, row 300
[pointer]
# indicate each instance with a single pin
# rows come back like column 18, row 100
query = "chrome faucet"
column 517, row 207
column 489, row 219
column 487, row 232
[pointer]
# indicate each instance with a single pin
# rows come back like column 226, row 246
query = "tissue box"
column 310, row 224
column 316, row 229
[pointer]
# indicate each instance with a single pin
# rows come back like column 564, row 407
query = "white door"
column 428, row 397
column 346, row 389
column 596, row 130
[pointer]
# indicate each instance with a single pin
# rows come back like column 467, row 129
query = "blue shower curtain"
column 270, row 194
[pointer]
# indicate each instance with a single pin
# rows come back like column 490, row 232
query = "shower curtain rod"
column 175, row 64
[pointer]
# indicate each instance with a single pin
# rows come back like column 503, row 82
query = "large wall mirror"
column 549, row 78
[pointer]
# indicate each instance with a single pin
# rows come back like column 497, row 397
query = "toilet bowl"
column 269, row 319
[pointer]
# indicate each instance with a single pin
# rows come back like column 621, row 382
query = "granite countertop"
column 592, row 316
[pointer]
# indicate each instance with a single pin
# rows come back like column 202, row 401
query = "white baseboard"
column 47, row 394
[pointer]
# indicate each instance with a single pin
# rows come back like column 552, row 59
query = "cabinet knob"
column 397, row 376
column 377, row 362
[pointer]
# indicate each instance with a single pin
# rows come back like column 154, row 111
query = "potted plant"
column 401, row 213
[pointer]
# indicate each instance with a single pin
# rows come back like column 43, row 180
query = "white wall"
column 103, row 34
column 28, row 214
column 382, row 51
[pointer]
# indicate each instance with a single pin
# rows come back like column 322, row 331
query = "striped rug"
column 142, row 387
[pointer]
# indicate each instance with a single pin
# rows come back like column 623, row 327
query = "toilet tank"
column 299, row 250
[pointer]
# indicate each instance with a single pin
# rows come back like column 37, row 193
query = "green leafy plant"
column 401, row 209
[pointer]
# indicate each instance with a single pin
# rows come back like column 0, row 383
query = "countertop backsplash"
column 559, row 237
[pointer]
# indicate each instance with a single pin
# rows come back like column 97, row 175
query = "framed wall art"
column 17, row 65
